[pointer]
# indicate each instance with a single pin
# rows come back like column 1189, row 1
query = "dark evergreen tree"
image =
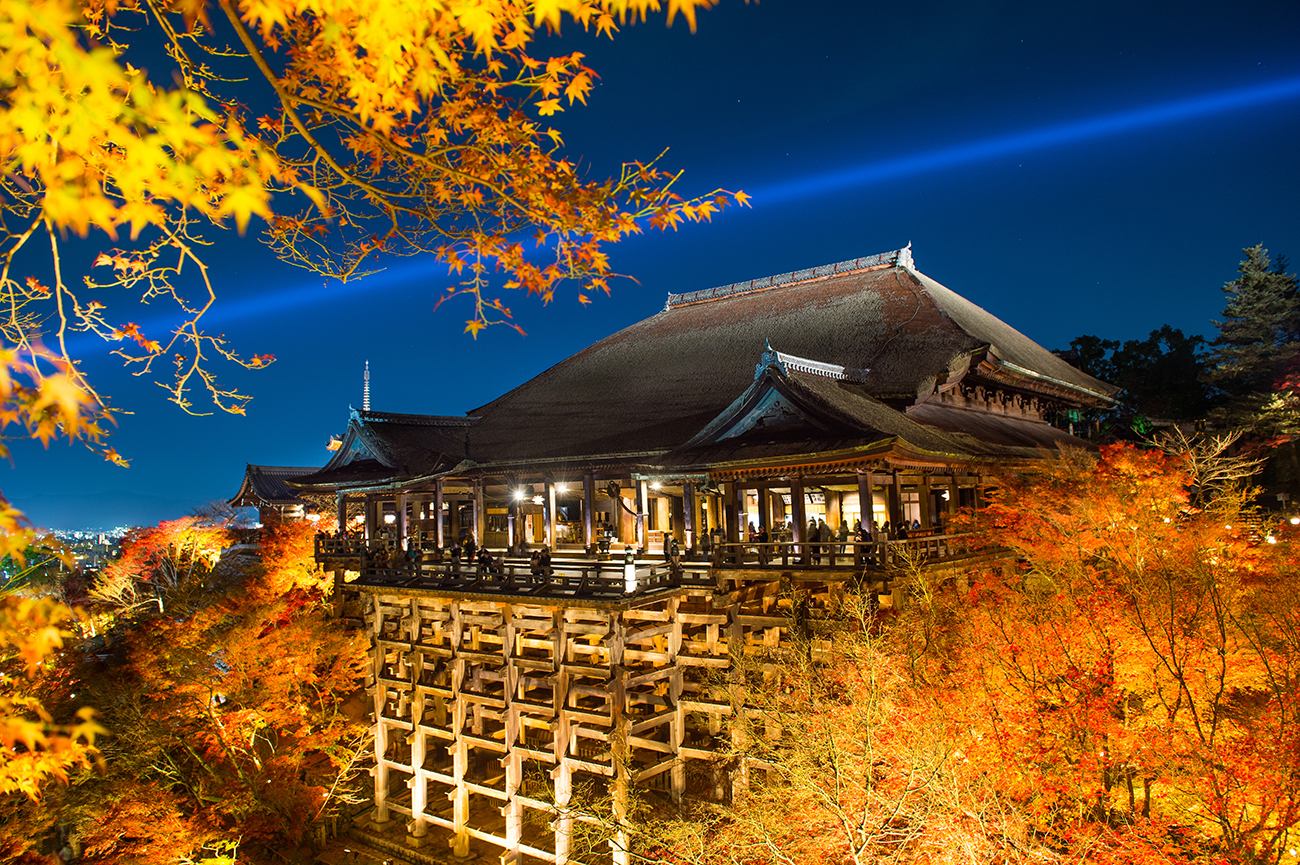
column 1259, row 339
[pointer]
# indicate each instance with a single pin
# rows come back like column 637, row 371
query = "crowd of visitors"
column 821, row 544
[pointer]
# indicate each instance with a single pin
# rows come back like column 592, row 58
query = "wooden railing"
column 380, row 564
column 576, row 579
column 828, row 555
column 352, row 548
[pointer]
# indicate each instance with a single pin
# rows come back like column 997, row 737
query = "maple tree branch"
column 285, row 102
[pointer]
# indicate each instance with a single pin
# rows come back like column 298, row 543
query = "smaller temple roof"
column 803, row 406
column 265, row 486
column 383, row 447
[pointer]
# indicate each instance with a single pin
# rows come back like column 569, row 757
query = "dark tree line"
column 1163, row 376
column 1229, row 380
column 1246, row 378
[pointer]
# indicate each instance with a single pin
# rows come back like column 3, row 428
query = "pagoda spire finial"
column 365, row 389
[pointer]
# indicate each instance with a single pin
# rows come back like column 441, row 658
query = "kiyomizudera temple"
column 696, row 480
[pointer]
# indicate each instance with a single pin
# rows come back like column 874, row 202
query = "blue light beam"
column 1189, row 108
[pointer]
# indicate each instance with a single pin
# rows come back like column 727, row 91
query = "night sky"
column 1073, row 168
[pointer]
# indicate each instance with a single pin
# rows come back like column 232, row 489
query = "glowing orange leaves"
column 47, row 397
column 100, row 145
column 408, row 127
column 1136, row 646
column 34, row 749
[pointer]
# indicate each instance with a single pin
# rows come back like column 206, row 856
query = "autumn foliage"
column 1136, row 671
column 380, row 129
column 225, row 701
column 1119, row 688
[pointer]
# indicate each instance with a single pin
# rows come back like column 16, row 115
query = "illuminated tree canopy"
column 389, row 129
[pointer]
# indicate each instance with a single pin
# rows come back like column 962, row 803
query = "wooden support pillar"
column 548, row 504
column 742, row 524
column 401, row 521
column 729, row 515
column 736, row 692
column 342, row 513
column 765, row 509
column 979, row 492
column 927, row 502
column 676, row 522
column 797, row 527
column 896, row 502
column 954, row 495
column 688, row 516
column 588, row 515
column 419, row 782
column 379, row 693
column 562, row 774
column 479, row 513
column 459, row 749
column 620, row 726
column 416, row 528
column 437, row 510
column 512, row 515
column 642, row 506
column 512, row 762
column 864, row 499
column 676, row 687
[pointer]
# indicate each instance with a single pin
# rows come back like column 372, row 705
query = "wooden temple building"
column 265, row 488
column 858, row 391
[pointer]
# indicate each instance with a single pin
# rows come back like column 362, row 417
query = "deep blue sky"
column 1073, row 168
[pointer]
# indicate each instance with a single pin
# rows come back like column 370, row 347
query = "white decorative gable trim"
column 788, row 363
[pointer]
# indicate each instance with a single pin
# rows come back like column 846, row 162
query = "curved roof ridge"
column 893, row 258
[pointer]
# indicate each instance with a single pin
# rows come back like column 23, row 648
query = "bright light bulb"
column 1271, row 539
column 1295, row 521
column 519, row 495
